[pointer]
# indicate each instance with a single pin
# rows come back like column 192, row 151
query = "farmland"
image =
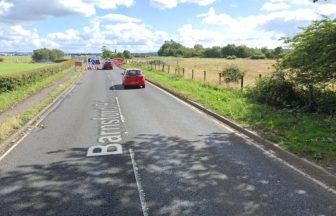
column 252, row 68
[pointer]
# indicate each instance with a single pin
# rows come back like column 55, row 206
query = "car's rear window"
column 133, row 73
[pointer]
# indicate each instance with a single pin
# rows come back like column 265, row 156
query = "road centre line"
column 122, row 118
column 138, row 183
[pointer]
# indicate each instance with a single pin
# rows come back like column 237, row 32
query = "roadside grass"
column 9, row 99
column 9, row 125
column 11, row 68
column 213, row 66
column 305, row 134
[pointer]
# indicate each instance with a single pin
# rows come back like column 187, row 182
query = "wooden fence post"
column 192, row 74
column 219, row 78
column 162, row 67
column 182, row 71
column 204, row 74
column 168, row 68
column 242, row 82
column 175, row 71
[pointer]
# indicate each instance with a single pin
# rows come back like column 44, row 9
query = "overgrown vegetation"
column 47, row 55
column 306, row 75
column 172, row 48
column 232, row 73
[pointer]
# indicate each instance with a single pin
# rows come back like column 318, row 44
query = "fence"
column 193, row 74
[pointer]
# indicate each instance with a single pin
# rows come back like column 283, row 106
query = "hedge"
column 11, row 82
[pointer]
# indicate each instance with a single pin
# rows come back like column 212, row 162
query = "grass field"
column 306, row 134
column 215, row 65
column 17, row 59
column 10, row 68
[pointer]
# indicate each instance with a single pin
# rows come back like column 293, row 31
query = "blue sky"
column 143, row 25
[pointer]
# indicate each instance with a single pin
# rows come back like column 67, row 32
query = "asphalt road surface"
column 109, row 151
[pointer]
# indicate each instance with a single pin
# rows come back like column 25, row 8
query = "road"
column 108, row 151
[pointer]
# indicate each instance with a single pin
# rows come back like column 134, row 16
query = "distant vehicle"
column 108, row 66
column 133, row 77
column 118, row 62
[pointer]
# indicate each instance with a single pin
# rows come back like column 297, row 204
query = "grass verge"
column 305, row 134
column 9, row 99
column 8, row 126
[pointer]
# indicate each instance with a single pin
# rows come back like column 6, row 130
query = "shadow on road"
column 72, row 185
column 119, row 87
column 208, row 176
column 213, row 176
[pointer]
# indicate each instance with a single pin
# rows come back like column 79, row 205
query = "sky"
column 143, row 25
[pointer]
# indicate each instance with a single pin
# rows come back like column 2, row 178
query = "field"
column 212, row 66
column 16, row 64
column 17, row 59
column 10, row 68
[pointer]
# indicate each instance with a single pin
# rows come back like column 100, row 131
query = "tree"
column 45, row 55
column 171, row 48
column 107, row 54
column 214, row 52
column 312, row 57
column 127, row 54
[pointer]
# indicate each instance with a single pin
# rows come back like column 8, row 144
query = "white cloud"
column 118, row 18
column 271, row 6
column 17, row 38
column 164, row 4
column 134, row 36
column 4, row 6
column 189, row 36
column 29, row 10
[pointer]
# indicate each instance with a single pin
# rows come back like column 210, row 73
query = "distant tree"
column 120, row 55
column 107, row 54
column 45, row 55
column 229, row 50
column 171, row 48
column 127, row 54
column 214, row 52
column 278, row 52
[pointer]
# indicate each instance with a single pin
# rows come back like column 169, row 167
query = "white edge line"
column 121, row 115
column 138, row 182
column 43, row 116
column 249, row 141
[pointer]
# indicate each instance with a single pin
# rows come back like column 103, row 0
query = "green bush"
column 276, row 91
column 258, row 56
column 231, row 57
column 232, row 74
column 14, row 81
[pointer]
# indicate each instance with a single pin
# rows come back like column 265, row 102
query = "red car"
column 108, row 66
column 133, row 77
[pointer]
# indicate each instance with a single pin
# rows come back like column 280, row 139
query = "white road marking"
column 121, row 115
column 249, row 141
column 42, row 117
column 138, row 182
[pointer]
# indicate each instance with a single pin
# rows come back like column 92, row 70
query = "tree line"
column 108, row 54
column 230, row 51
column 47, row 55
